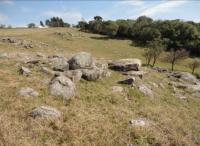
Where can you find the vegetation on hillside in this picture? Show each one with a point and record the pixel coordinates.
(175, 34)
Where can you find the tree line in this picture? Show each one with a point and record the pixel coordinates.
(52, 22)
(173, 34)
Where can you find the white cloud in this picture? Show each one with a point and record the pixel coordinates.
(69, 16)
(162, 7)
(132, 2)
(3, 18)
(7, 2)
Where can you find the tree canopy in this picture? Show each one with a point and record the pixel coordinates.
(173, 33)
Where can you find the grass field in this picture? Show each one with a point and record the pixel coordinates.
(96, 116)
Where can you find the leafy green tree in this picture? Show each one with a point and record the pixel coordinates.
(109, 28)
(98, 18)
(83, 25)
(156, 48)
(31, 25)
(55, 22)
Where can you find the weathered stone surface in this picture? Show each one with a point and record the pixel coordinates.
(160, 69)
(3, 55)
(28, 92)
(128, 80)
(117, 89)
(24, 71)
(184, 76)
(62, 87)
(140, 122)
(139, 74)
(196, 94)
(81, 60)
(91, 74)
(146, 91)
(61, 67)
(47, 71)
(74, 75)
(125, 64)
(45, 111)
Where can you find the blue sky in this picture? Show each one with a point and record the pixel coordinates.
(22, 12)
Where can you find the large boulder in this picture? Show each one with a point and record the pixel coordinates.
(62, 87)
(125, 64)
(45, 111)
(58, 63)
(99, 71)
(139, 74)
(81, 60)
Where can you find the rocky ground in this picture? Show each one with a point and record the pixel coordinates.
(81, 99)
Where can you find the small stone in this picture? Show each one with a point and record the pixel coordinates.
(28, 92)
(146, 91)
(24, 71)
(140, 122)
(117, 89)
(45, 111)
(128, 81)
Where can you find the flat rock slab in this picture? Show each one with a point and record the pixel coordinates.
(117, 89)
(28, 92)
(139, 74)
(128, 81)
(125, 64)
(45, 111)
(146, 91)
(140, 122)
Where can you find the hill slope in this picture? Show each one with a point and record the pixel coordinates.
(97, 115)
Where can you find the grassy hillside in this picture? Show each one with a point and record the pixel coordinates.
(96, 116)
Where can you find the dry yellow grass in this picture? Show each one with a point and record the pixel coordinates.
(96, 116)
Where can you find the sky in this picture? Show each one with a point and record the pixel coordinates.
(22, 12)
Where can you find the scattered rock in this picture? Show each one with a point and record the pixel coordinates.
(47, 71)
(91, 74)
(3, 55)
(81, 60)
(146, 91)
(154, 84)
(180, 96)
(24, 71)
(61, 67)
(184, 76)
(196, 94)
(62, 87)
(125, 64)
(28, 92)
(74, 75)
(139, 74)
(160, 69)
(117, 89)
(128, 80)
(140, 122)
(45, 111)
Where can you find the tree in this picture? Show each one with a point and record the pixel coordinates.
(55, 22)
(2, 26)
(31, 25)
(109, 28)
(41, 23)
(156, 48)
(194, 65)
(148, 55)
(83, 25)
(175, 55)
(66, 24)
(98, 18)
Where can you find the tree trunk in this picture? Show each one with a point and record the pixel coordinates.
(172, 66)
(193, 70)
(154, 62)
